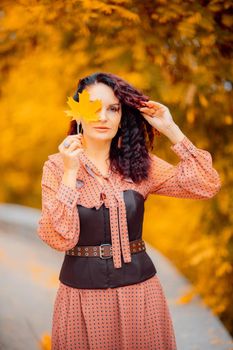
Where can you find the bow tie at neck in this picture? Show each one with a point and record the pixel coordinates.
(112, 197)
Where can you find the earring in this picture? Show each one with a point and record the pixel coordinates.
(119, 142)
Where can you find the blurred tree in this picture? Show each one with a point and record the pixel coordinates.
(178, 52)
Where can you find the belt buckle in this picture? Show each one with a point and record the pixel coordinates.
(104, 257)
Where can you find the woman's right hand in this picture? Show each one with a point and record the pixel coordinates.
(69, 154)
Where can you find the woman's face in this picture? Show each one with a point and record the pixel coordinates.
(109, 115)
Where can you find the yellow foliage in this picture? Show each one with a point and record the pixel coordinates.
(170, 12)
(45, 342)
(228, 120)
(203, 100)
(136, 79)
(199, 256)
(180, 55)
(189, 95)
(186, 297)
(129, 15)
(227, 20)
(109, 55)
(186, 29)
(190, 115)
(159, 60)
(214, 6)
(16, 17)
(173, 93)
(207, 23)
(223, 269)
(202, 255)
(225, 202)
(208, 40)
(195, 18)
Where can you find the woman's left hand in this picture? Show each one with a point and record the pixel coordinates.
(157, 115)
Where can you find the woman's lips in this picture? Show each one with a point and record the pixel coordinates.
(101, 128)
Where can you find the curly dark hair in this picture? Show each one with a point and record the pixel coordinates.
(132, 158)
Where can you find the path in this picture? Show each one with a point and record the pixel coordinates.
(29, 279)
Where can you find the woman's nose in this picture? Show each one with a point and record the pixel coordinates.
(102, 114)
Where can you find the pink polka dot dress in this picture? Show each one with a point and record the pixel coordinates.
(117, 303)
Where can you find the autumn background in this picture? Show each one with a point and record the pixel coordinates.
(177, 52)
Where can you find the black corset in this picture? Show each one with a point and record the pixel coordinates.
(94, 272)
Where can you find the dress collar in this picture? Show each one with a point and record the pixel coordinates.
(91, 167)
(113, 199)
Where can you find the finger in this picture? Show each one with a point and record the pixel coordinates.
(148, 114)
(146, 110)
(147, 103)
(66, 140)
(150, 110)
(62, 147)
(75, 144)
(152, 103)
(143, 103)
(75, 137)
(77, 151)
(80, 138)
(157, 105)
(71, 139)
(154, 106)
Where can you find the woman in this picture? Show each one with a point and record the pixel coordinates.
(93, 193)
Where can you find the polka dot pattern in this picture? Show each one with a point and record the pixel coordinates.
(134, 316)
(113, 200)
(59, 223)
(124, 318)
(59, 226)
(193, 177)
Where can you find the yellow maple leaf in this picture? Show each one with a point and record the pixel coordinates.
(84, 109)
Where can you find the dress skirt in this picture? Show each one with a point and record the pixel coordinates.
(124, 318)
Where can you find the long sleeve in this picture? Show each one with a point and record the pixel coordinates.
(59, 224)
(193, 177)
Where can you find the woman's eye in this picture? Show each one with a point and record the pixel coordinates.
(114, 109)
